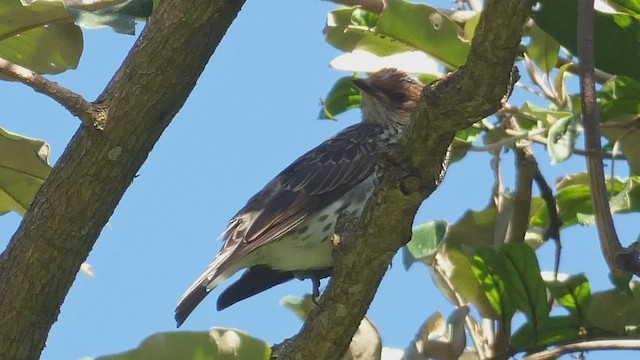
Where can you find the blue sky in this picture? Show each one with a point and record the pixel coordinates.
(253, 111)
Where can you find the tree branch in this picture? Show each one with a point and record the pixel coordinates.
(594, 345)
(526, 167)
(90, 114)
(408, 173)
(75, 202)
(617, 257)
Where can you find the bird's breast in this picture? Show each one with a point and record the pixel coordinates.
(308, 246)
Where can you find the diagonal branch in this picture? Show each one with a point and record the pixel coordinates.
(75, 202)
(409, 173)
(90, 114)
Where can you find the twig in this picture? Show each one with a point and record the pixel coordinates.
(617, 257)
(555, 223)
(89, 113)
(599, 75)
(534, 91)
(594, 345)
(518, 135)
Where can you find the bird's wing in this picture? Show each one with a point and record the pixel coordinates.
(316, 179)
(313, 181)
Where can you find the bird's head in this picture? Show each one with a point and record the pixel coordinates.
(388, 96)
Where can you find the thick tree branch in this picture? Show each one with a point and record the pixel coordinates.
(90, 114)
(72, 206)
(408, 174)
(617, 257)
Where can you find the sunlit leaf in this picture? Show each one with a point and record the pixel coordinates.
(489, 266)
(344, 95)
(219, 344)
(454, 269)
(422, 28)
(573, 294)
(525, 283)
(414, 62)
(23, 168)
(626, 6)
(562, 138)
(41, 37)
(425, 242)
(543, 49)
(438, 339)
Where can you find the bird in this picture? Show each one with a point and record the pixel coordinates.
(284, 231)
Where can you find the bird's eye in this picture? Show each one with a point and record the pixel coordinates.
(398, 97)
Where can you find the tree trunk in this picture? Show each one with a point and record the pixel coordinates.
(72, 206)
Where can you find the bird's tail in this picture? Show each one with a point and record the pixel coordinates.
(215, 273)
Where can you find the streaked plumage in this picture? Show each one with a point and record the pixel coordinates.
(284, 230)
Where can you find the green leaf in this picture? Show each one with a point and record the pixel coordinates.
(619, 101)
(525, 283)
(628, 199)
(426, 29)
(626, 6)
(121, 18)
(556, 330)
(455, 271)
(344, 95)
(616, 42)
(549, 116)
(616, 311)
(41, 37)
(422, 28)
(562, 139)
(425, 242)
(23, 168)
(489, 267)
(573, 294)
(462, 142)
(475, 228)
(574, 198)
(342, 33)
(621, 282)
(470, 27)
(543, 49)
(619, 96)
(218, 343)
